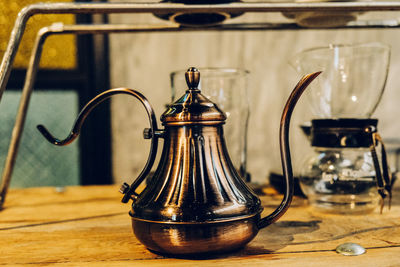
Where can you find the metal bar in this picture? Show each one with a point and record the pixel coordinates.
(108, 8)
(21, 115)
(127, 28)
(12, 48)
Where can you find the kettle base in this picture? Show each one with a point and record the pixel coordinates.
(195, 238)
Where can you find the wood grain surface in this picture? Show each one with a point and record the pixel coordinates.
(89, 226)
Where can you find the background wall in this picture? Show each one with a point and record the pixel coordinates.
(144, 61)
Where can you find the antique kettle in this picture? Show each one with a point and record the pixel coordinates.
(196, 202)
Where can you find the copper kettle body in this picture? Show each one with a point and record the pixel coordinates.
(196, 201)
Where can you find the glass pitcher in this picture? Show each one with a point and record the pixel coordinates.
(352, 81)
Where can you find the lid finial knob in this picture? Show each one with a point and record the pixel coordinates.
(192, 76)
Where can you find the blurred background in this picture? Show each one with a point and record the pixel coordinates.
(111, 148)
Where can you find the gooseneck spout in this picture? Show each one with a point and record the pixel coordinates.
(285, 149)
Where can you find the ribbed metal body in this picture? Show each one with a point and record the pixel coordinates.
(194, 184)
(195, 180)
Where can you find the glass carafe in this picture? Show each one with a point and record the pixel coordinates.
(340, 180)
(345, 174)
(352, 80)
(340, 176)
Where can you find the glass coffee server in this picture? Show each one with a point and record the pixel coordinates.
(346, 173)
(204, 15)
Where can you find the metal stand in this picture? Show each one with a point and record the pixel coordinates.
(159, 8)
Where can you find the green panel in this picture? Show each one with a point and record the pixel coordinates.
(40, 163)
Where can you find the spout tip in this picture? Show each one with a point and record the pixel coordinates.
(304, 82)
(313, 75)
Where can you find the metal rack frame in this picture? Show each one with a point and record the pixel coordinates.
(150, 8)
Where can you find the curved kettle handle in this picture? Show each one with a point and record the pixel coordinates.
(129, 190)
(285, 149)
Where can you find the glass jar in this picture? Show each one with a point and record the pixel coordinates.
(344, 174)
(340, 180)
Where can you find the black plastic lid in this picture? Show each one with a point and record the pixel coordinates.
(342, 132)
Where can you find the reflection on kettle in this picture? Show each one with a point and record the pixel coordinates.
(196, 202)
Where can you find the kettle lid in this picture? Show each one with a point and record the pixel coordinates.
(193, 107)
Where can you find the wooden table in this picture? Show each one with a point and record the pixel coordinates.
(89, 226)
